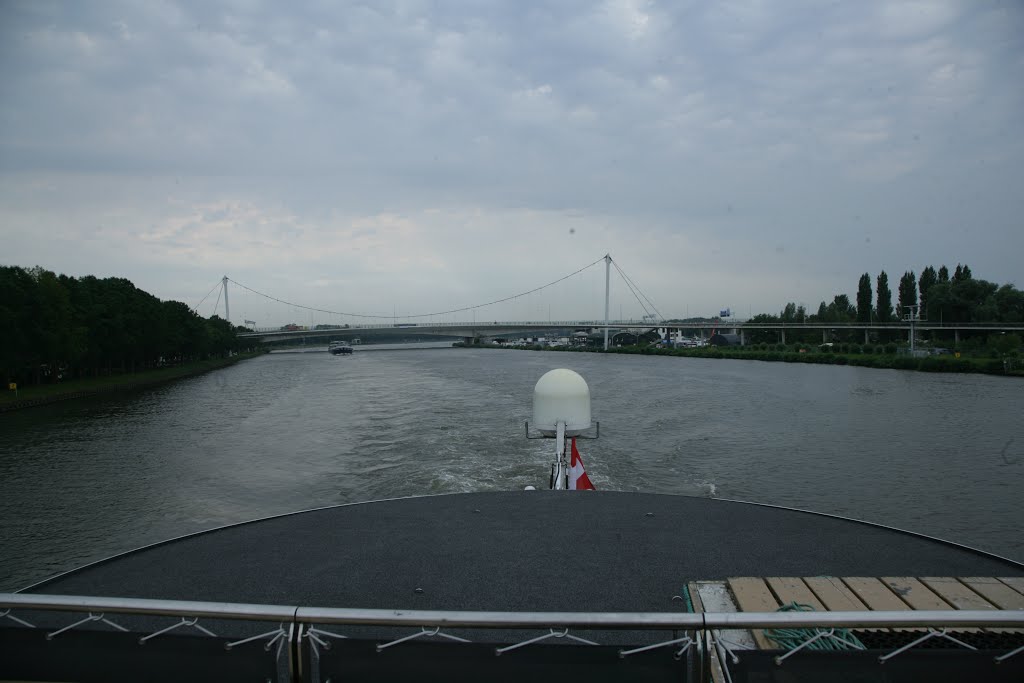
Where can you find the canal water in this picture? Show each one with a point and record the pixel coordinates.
(82, 480)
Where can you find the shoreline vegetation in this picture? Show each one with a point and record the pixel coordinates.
(942, 295)
(45, 394)
(59, 329)
(797, 353)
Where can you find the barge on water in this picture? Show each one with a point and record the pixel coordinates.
(596, 585)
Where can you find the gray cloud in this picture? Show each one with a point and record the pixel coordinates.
(733, 153)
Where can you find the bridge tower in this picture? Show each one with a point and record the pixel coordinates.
(607, 289)
(227, 309)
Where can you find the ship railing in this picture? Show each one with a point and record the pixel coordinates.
(44, 637)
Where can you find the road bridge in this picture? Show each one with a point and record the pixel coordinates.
(476, 330)
(455, 330)
(390, 328)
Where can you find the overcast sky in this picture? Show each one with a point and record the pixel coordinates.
(412, 157)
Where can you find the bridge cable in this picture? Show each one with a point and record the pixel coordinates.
(420, 315)
(635, 296)
(219, 294)
(635, 291)
(196, 307)
(632, 285)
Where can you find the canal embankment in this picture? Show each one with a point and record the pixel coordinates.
(45, 394)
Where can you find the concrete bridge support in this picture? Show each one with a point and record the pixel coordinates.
(956, 336)
(783, 334)
(824, 336)
(866, 340)
(743, 338)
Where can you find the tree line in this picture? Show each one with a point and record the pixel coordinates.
(935, 296)
(56, 328)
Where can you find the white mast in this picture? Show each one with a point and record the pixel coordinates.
(607, 286)
(227, 310)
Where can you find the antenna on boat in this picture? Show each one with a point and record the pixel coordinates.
(561, 409)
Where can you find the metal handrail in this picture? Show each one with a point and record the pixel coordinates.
(171, 608)
(528, 620)
(482, 619)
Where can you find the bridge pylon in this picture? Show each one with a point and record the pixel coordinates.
(227, 309)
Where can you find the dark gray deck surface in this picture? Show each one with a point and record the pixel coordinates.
(538, 550)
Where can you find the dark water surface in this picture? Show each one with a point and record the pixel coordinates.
(938, 454)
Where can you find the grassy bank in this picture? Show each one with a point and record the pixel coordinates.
(43, 394)
(891, 361)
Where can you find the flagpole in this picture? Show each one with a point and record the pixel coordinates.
(560, 457)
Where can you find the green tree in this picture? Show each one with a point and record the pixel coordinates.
(788, 314)
(801, 316)
(943, 274)
(907, 292)
(924, 283)
(17, 322)
(762, 336)
(841, 310)
(864, 299)
(1004, 343)
(58, 327)
(964, 301)
(1009, 304)
(53, 328)
(883, 309)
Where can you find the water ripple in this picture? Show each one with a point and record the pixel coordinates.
(85, 479)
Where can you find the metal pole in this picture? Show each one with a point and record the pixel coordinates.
(607, 291)
(227, 310)
(560, 469)
(913, 316)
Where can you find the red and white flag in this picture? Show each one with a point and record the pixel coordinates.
(578, 479)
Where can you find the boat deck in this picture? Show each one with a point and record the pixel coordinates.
(977, 648)
(536, 551)
(528, 551)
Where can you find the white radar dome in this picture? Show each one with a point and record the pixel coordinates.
(561, 396)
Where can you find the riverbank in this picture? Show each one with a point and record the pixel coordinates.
(44, 394)
(885, 361)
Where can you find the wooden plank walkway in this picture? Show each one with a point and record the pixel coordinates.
(856, 593)
(752, 595)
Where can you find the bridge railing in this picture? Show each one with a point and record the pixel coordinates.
(646, 324)
(466, 325)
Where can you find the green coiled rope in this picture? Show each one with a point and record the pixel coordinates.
(685, 594)
(791, 638)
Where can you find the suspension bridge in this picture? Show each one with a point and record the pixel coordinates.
(379, 327)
